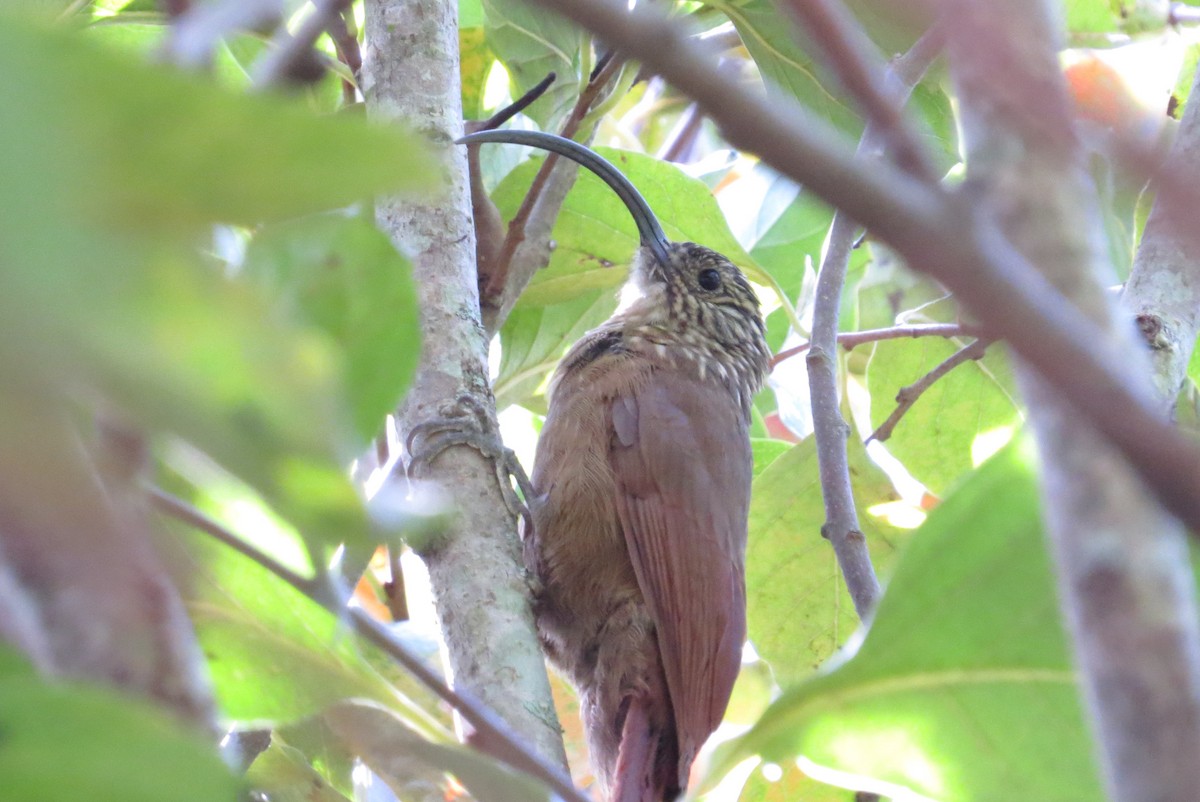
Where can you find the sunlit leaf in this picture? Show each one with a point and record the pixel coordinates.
(935, 436)
(285, 775)
(963, 688)
(798, 607)
(68, 741)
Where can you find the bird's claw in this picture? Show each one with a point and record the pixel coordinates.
(466, 423)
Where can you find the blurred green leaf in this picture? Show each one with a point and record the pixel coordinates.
(793, 786)
(766, 451)
(347, 277)
(475, 59)
(1091, 16)
(285, 775)
(935, 436)
(1187, 75)
(531, 44)
(397, 755)
(111, 167)
(799, 610)
(273, 653)
(69, 741)
(963, 688)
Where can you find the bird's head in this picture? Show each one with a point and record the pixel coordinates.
(681, 285)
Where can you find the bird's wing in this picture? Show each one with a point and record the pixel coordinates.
(682, 463)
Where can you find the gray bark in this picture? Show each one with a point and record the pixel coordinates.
(1124, 577)
(411, 74)
(1163, 291)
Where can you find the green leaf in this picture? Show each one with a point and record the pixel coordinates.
(157, 148)
(110, 167)
(935, 436)
(793, 786)
(1091, 16)
(1187, 75)
(534, 338)
(772, 38)
(285, 775)
(273, 653)
(475, 60)
(531, 44)
(397, 755)
(69, 741)
(347, 277)
(766, 451)
(799, 610)
(963, 688)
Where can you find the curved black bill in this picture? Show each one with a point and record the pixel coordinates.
(649, 230)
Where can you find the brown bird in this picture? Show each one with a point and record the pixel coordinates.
(641, 496)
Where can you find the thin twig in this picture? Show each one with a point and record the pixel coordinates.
(516, 107)
(857, 63)
(342, 31)
(397, 598)
(909, 394)
(196, 32)
(497, 282)
(849, 340)
(486, 723)
(841, 526)
(683, 136)
(829, 428)
(288, 51)
(939, 231)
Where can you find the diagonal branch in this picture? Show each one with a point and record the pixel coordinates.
(526, 244)
(290, 51)
(908, 395)
(856, 61)
(939, 232)
(514, 750)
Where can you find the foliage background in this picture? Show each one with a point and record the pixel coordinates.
(199, 262)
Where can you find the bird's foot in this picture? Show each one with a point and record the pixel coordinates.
(465, 422)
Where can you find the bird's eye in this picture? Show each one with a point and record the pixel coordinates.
(709, 279)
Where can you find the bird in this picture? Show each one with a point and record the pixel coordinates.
(640, 502)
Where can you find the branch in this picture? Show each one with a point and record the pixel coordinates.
(1163, 291)
(849, 340)
(342, 31)
(526, 244)
(830, 429)
(907, 396)
(1124, 579)
(856, 62)
(196, 31)
(939, 232)
(290, 54)
(841, 526)
(320, 589)
(490, 232)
